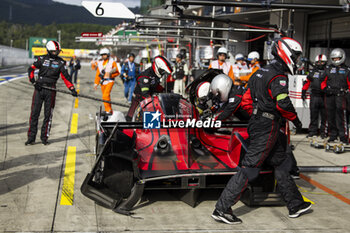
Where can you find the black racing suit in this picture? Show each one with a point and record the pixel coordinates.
(233, 105)
(50, 69)
(147, 84)
(268, 90)
(336, 85)
(317, 105)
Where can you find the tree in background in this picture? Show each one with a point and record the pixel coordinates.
(19, 33)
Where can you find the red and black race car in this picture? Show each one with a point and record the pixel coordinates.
(179, 151)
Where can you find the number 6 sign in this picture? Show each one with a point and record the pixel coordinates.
(108, 9)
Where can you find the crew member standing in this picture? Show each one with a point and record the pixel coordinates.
(74, 65)
(106, 72)
(222, 64)
(148, 82)
(130, 70)
(50, 66)
(240, 68)
(268, 90)
(317, 105)
(180, 74)
(253, 58)
(337, 85)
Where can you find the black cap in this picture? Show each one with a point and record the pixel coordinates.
(131, 55)
(179, 56)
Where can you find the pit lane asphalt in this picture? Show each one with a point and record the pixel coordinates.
(32, 179)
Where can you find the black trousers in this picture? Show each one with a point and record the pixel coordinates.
(39, 97)
(135, 101)
(75, 72)
(337, 116)
(317, 108)
(266, 145)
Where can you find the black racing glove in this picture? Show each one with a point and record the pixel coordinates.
(37, 86)
(303, 95)
(32, 80)
(74, 92)
(297, 123)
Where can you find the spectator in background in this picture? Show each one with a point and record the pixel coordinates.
(180, 74)
(74, 66)
(129, 72)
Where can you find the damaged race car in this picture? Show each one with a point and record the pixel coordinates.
(168, 146)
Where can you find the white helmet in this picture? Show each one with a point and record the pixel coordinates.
(220, 86)
(239, 56)
(161, 65)
(253, 55)
(321, 57)
(202, 90)
(222, 50)
(104, 51)
(289, 52)
(338, 52)
(53, 46)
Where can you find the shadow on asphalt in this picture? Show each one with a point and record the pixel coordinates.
(151, 196)
(10, 181)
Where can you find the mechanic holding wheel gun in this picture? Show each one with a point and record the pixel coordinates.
(106, 72)
(148, 82)
(268, 92)
(50, 66)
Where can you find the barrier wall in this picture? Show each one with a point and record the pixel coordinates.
(13, 56)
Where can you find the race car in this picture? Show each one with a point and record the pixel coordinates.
(168, 146)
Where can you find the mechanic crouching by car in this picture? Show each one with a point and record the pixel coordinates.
(268, 91)
(337, 85)
(317, 106)
(226, 98)
(148, 82)
(50, 66)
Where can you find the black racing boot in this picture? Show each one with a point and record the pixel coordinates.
(225, 217)
(296, 212)
(29, 142)
(332, 139)
(45, 142)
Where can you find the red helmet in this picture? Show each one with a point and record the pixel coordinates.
(288, 51)
(161, 65)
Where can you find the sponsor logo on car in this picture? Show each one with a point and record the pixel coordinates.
(152, 120)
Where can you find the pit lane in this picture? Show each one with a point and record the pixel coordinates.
(34, 179)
